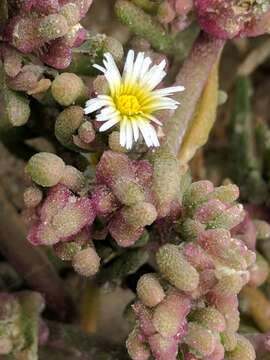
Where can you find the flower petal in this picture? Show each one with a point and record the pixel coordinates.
(137, 66)
(145, 132)
(128, 68)
(112, 68)
(100, 68)
(94, 105)
(154, 76)
(154, 119)
(153, 135)
(145, 66)
(123, 133)
(135, 129)
(106, 115)
(129, 135)
(108, 124)
(168, 91)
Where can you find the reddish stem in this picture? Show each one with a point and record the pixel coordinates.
(193, 76)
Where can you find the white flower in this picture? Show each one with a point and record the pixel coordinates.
(132, 99)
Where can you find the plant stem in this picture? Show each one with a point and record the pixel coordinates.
(193, 76)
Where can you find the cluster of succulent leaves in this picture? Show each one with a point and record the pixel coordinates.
(112, 213)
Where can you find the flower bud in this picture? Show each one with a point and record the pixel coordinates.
(243, 350)
(169, 316)
(137, 350)
(140, 214)
(176, 269)
(86, 132)
(52, 27)
(32, 196)
(67, 88)
(149, 290)
(72, 178)
(86, 262)
(67, 123)
(210, 318)
(201, 340)
(45, 169)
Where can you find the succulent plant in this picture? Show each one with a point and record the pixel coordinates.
(200, 277)
(110, 119)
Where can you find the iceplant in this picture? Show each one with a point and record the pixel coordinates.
(132, 100)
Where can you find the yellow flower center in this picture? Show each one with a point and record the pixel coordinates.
(128, 104)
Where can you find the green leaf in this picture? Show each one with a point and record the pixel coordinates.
(126, 264)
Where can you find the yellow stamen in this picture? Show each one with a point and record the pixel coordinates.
(128, 104)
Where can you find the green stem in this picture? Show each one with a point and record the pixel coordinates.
(146, 26)
(245, 169)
